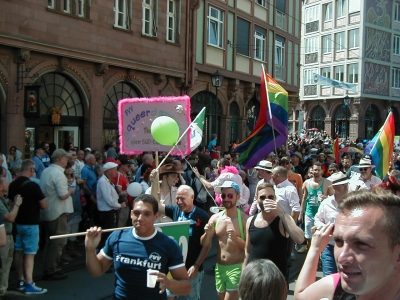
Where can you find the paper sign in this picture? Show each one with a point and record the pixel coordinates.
(136, 115)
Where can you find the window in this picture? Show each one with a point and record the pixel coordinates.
(354, 38)
(259, 43)
(340, 8)
(327, 44)
(326, 72)
(81, 8)
(312, 14)
(120, 14)
(396, 45)
(396, 78)
(279, 51)
(352, 73)
(171, 20)
(397, 11)
(149, 19)
(281, 6)
(263, 3)
(354, 6)
(309, 76)
(311, 45)
(327, 11)
(242, 37)
(339, 41)
(77, 8)
(215, 26)
(67, 6)
(339, 73)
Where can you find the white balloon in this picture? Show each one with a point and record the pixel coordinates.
(134, 189)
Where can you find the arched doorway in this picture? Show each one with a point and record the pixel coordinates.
(317, 118)
(207, 99)
(57, 93)
(234, 113)
(341, 119)
(252, 112)
(372, 120)
(118, 91)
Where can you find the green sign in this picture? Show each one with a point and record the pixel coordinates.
(179, 231)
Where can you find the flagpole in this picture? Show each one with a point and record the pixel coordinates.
(269, 109)
(187, 129)
(379, 136)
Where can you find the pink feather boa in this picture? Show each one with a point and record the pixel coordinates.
(227, 169)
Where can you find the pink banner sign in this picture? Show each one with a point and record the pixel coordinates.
(136, 115)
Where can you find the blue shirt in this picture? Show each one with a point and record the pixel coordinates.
(133, 256)
(198, 219)
(212, 144)
(46, 160)
(90, 176)
(39, 166)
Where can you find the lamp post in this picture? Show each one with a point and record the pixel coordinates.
(347, 101)
(216, 80)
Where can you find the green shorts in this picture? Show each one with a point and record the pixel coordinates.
(227, 277)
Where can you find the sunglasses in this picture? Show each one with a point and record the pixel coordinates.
(363, 169)
(332, 170)
(230, 196)
(270, 197)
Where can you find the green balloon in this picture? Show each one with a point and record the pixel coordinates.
(165, 130)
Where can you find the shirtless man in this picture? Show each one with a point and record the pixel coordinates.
(229, 226)
(315, 190)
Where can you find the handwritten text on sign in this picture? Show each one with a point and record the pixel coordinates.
(136, 115)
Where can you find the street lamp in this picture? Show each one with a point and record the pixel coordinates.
(216, 80)
(347, 101)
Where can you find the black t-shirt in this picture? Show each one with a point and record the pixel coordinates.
(29, 211)
(199, 219)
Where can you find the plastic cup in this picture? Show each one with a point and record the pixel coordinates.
(264, 203)
(151, 278)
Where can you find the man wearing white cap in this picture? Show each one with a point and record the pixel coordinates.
(365, 180)
(107, 200)
(229, 226)
(327, 213)
(264, 168)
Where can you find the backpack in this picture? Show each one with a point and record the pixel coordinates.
(191, 181)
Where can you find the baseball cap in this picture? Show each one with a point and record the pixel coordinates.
(60, 153)
(109, 165)
(125, 161)
(88, 149)
(227, 184)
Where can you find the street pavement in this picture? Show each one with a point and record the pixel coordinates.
(80, 285)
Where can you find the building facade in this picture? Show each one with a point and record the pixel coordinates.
(64, 65)
(358, 42)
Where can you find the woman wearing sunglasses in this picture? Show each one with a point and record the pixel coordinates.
(268, 232)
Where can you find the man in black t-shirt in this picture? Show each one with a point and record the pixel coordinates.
(186, 210)
(27, 223)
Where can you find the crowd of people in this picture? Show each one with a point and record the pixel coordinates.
(297, 199)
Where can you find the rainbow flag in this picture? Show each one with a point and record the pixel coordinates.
(382, 149)
(273, 118)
